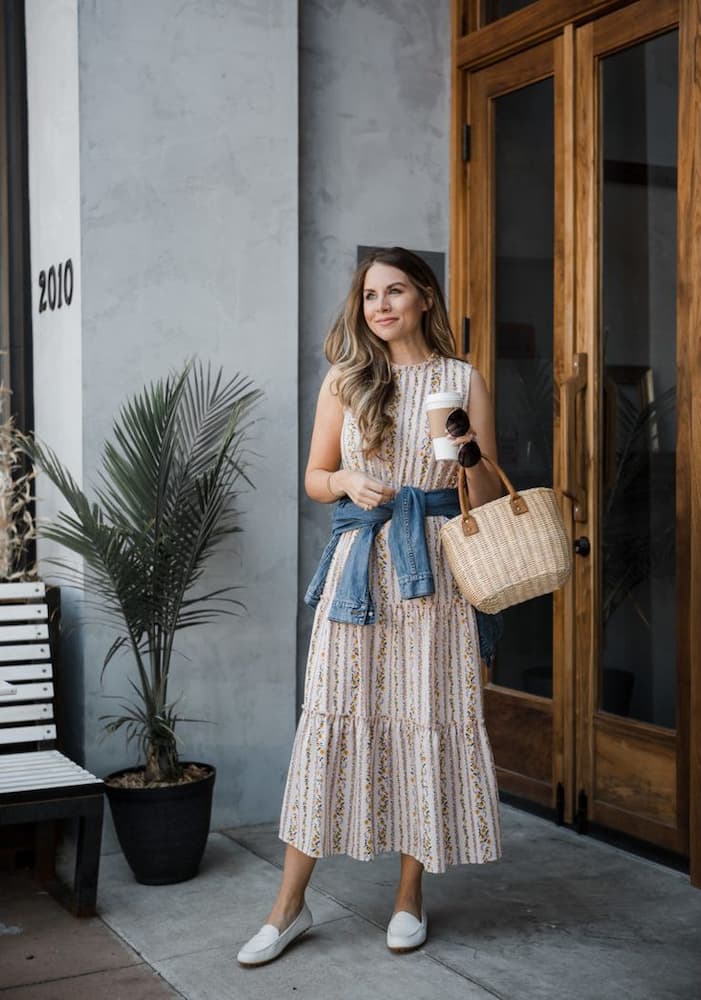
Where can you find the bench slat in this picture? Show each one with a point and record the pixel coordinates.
(33, 756)
(17, 633)
(26, 692)
(27, 734)
(40, 758)
(23, 612)
(26, 672)
(15, 591)
(25, 713)
(63, 782)
(66, 772)
(41, 769)
(69, 772)
(9, 654)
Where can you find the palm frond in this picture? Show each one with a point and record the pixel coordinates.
(165, 499)
(638, 529)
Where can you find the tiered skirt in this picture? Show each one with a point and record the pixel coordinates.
(391, 751)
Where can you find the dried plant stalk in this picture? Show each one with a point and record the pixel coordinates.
(17, 527)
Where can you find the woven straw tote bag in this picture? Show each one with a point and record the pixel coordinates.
(509, 550)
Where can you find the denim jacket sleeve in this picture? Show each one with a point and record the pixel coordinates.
(316, 585)
(352, 602)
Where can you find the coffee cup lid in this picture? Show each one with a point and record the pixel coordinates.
(439, 400)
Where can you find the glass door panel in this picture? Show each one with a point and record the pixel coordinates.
(523, 311)
(638, 121)
(496, 9)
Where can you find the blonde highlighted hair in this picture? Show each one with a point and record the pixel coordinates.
(364, 382)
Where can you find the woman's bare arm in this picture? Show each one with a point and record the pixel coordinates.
(483, 483)
(324, 481)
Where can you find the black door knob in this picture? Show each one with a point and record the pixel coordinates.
(582, 546)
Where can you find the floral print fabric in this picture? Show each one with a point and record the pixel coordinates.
(391, 751)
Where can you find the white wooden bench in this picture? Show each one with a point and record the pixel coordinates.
(38, 783)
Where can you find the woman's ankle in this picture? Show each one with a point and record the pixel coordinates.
(409, 900)
(285, 910)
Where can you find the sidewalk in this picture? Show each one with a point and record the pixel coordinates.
(46, 954)
(561, 917)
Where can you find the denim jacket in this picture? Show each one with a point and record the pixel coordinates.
(352, 602)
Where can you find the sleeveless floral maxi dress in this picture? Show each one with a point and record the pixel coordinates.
(391, 751)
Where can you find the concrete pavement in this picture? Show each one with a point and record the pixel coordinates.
(561, 916)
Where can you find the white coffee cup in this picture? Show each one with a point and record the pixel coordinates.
(439, 405)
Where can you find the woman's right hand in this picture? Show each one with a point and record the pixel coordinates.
(365, 491)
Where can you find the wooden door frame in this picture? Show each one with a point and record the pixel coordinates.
(477, 43)
(563, 357)
(689, 400)
(474, 46)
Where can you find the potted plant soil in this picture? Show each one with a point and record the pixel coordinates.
(168, 483)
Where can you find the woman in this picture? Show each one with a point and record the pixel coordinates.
(391, 752)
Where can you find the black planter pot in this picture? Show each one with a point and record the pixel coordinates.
(163, 831)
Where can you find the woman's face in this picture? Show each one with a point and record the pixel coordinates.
(393, 307)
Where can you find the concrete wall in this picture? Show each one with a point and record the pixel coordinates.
(54, 197)
(189, 226)
(374, 170)
(189, 176)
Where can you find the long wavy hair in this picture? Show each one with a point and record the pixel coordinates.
(364, 384)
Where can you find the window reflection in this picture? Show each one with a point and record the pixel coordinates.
(524, 221)
(638, 344)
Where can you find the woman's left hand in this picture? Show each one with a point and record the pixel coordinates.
(463, 439)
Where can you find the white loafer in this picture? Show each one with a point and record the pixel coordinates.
(269, 942)
(405, 932)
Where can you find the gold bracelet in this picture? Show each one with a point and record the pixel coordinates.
(336, 496)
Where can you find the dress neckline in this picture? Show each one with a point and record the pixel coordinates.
(417, 364)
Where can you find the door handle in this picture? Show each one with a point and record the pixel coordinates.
(582, 546)
(573, 439)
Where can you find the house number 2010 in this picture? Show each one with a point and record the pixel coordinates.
(56, 286)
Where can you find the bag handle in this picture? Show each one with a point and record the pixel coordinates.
(516, 502)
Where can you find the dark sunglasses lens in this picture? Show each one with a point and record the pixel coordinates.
(458, 423)
(469, 454)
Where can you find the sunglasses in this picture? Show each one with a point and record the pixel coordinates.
(457, 425)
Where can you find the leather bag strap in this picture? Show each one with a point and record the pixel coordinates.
(516, 502)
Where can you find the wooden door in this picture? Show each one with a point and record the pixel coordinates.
(518, 319)
(570, 287)
(631, 748)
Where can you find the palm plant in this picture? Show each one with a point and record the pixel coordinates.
(165, 499)
(638, 523)
(534, 406)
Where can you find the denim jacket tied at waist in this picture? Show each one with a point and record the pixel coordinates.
(352, 602)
